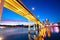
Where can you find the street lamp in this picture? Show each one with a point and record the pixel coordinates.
(33, 8)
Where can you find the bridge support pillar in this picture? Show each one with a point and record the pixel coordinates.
(34, 31)
(1, 8)
(29, 32)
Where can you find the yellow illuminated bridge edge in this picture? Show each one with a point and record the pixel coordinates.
(18, 7)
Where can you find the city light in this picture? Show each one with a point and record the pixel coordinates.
(1, 38)
(56, 29)
(33, 8)
(0, 1)
(2, 27)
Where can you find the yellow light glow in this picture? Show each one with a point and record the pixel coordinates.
(2, 27)
(19, 9)
(0, 1)
(1, 38)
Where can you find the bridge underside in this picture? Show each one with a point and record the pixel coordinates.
(18, 7)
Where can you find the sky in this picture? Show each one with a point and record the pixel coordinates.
(10, 15)
(41, 9)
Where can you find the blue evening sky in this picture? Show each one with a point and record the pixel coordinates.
(43, 8)
(10, 15)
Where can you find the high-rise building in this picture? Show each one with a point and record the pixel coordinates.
(47, 21)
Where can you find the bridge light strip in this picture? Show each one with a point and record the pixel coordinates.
(19, 9)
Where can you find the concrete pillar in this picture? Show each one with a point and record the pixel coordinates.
(1, 8)
(29, 27)
(39, 28)
(34, 31)
(29, 33)
(29, 38)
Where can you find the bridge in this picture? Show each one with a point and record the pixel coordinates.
(18, 7)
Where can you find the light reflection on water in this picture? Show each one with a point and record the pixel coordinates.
(1, 37)
(22, 33)
(14, 33)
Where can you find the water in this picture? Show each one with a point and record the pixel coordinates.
(14, 33)
(54, 36)
(22, 34)
(17, 37)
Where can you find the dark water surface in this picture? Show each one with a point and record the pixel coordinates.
(22, 34)
(14, 33)
(17, 37)
(54, 36)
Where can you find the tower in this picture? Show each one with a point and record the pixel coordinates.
(48, 28)
(47, 21)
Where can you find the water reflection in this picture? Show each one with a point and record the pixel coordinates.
(1, 38)
(2, 27)
(14, 33)
(22, 33)
(56, 29)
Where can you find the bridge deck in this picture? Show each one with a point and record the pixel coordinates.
(20, 8)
